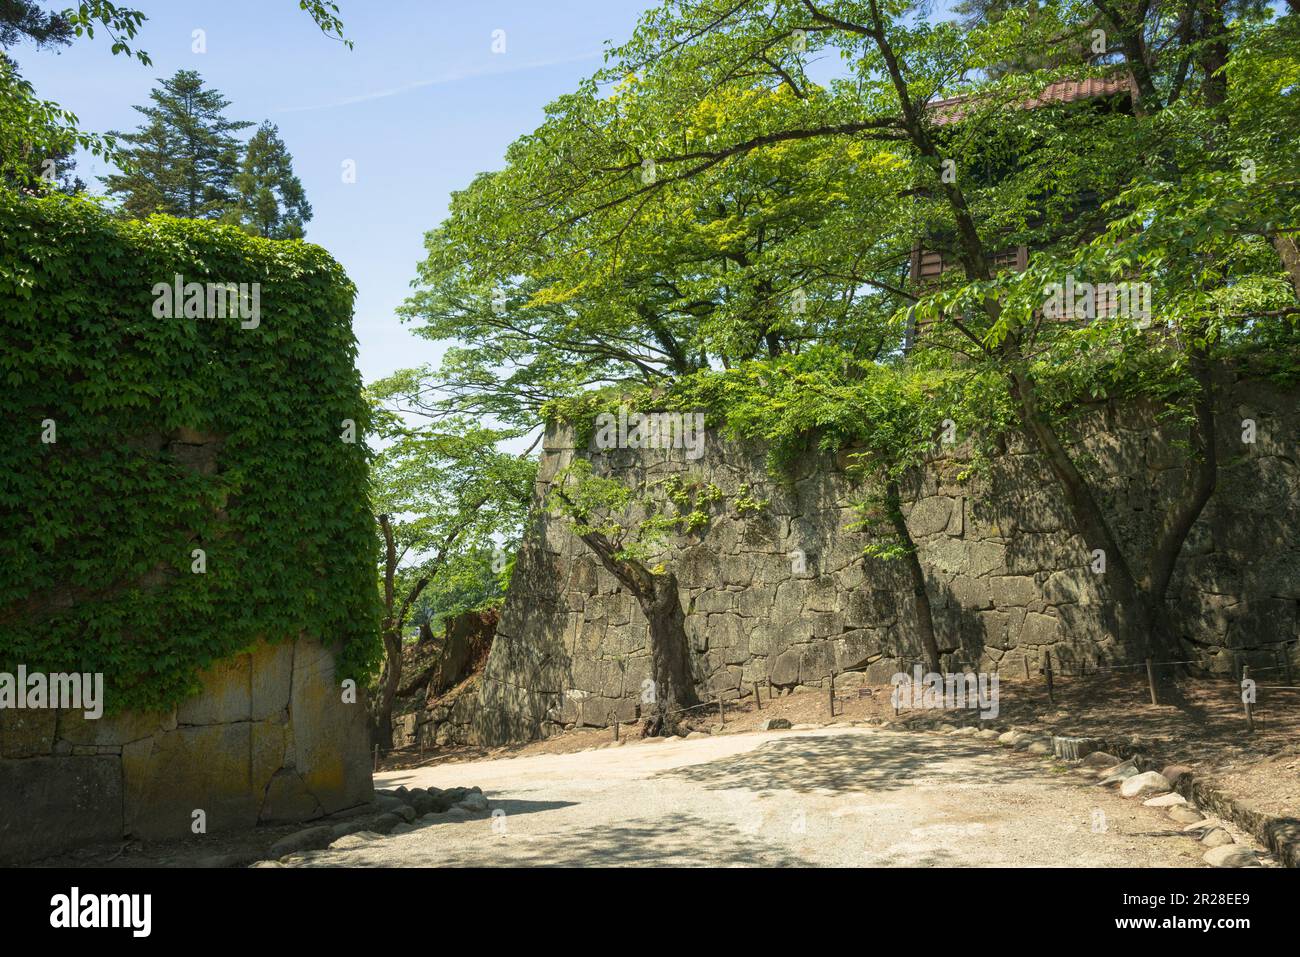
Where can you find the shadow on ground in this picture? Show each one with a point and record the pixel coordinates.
(847, 762)
(675, 840)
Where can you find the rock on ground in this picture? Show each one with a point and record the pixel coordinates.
(1185, 815)
(1217, 837)
(356, 840)
(1231, 855)
(1121, 772)
(1100, 759)
(1141, 785)
(1171, 799)
(308, 839)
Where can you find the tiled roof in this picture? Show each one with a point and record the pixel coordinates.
(1064, 91)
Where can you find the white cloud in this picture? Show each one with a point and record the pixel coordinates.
(442, 80)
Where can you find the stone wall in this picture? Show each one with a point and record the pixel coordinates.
(1008, 577)
(268, 739)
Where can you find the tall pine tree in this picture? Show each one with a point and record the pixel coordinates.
(270, 198)
(184, 160)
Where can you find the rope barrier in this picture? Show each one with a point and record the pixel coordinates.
(612, 716)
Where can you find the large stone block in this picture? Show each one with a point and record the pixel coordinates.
(168, 777)
(971, 593)
(49, 805)
(271, 679)
(1013, 590)
(930, 516)
(785, 668)
(1039, 630)
(288, 799)
(987, 558)
(331, 738)
(25, 733)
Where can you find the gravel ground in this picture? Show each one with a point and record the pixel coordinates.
(838, 796)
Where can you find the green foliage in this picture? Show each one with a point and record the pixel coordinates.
(702, 216)
(636, 519)
(469, 582)
(746, 503)
(595, 505)
(33, 131)
(97, 529)
(456, 501)
(692, 501)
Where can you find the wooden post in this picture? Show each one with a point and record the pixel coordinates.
(758, 702)
(722, 715)
(1151, 682)
(1025, 660)
(1047, 659)
(832, 692)
(1250, 716)
(615, 727)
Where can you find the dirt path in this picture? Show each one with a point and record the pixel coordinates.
(841, 796)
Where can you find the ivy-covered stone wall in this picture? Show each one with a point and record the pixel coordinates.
(183, 495)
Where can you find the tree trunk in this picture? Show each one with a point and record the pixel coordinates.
(382, 726)
(657, 595)
(924, 611)
(1132, 610)
(426, 633)
(390, 677)
(669, 656)
(1289, 252)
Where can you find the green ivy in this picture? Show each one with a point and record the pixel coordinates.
(98, 528)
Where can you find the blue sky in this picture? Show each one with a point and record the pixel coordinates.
(421, 104)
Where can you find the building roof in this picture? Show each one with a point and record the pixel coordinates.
(955, 109)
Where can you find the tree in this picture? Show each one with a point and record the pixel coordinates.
(269, 198)
(34, 130)
(475, 581)
(37, 138)
(184, 159)
(443, 493)
(38, 146)
(600, 511)
(25, 20)
(1172, 206)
